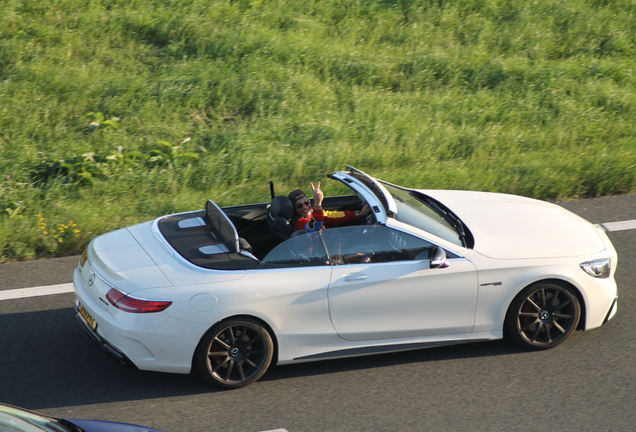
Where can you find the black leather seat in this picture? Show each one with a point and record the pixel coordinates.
(279, 216)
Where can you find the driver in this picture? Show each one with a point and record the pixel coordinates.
(315, 218)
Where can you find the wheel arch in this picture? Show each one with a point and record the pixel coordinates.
(562, 283)
(238, 317)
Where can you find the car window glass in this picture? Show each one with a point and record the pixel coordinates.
(419, 214)
(303, 250)
(373, 244)
(13, 419)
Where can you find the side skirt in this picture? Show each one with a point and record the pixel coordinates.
(351, 352)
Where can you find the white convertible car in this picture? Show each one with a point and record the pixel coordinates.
(231, 291)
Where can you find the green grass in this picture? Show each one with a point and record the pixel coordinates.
(113, 112)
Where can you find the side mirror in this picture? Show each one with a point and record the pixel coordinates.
(438, 259)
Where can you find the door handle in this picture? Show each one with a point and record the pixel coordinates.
(354, 277)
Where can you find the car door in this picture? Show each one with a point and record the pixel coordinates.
(382, 286)
(292, 282)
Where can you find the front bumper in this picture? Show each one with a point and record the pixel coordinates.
(612, 311)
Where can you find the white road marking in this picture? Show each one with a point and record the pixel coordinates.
(68, 287)
(619, 226)
(36, 291)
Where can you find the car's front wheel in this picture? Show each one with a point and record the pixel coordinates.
(235, 353)
(543, 315)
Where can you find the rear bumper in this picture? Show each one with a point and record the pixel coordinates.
(153, 342)
(104, 344)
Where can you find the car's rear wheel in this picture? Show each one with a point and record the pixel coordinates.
(235, 353)
(543, 315)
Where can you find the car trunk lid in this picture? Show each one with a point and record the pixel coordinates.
(116, 260)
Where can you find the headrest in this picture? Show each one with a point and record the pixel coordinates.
(281, 206)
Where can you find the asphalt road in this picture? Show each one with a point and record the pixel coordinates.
(48, 364)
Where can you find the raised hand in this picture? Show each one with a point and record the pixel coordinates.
(318, 195)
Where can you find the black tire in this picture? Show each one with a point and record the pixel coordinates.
(235, 353)
(542, 316)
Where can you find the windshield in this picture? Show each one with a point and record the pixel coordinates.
(418, 213)
(369, 183)
(16, 420)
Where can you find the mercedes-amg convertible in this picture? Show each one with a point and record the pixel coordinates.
(230, 291)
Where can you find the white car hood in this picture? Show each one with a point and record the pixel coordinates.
(515, 227)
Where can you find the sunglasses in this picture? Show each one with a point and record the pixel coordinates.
(302, 204)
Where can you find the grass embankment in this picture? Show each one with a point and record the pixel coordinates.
(114, 112)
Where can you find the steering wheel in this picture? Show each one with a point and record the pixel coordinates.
(397, 241)
(370, 219)
(301, 257)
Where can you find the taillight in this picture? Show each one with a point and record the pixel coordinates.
(131, 304)
(83, 258)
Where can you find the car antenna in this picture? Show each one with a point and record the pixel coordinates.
(271, 189)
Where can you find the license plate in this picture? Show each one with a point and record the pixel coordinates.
(87, 317)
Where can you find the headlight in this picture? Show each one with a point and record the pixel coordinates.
(599, 268)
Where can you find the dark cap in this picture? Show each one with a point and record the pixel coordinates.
(296, 195)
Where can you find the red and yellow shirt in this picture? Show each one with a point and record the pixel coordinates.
(329, 217)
